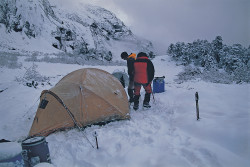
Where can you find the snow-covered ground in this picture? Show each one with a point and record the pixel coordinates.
(168, 134)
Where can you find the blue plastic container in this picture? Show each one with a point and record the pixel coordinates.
(159, 84)
(35, 151)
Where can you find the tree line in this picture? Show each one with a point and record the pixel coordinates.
(214, 57)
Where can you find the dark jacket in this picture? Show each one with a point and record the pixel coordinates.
(130, 65)
(143, 70)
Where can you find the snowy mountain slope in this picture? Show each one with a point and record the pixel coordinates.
(69, 26)
(165, 135)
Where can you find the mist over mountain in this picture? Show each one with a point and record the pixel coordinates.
(52, 26)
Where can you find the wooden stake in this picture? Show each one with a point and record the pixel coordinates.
(96, 140)
(197, 105)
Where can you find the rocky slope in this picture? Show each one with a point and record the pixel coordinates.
(68, 26)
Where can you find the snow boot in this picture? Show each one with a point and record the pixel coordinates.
(131, 95)
(146, 100)
(136, 102)
(146, 105)
(136, 107)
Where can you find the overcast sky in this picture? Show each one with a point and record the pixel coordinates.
(169, 21)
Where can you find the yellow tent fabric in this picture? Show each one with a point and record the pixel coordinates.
(81, 98)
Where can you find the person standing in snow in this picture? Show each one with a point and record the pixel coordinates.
(130, 64)
(143, 76)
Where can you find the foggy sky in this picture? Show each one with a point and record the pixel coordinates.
(169, 21)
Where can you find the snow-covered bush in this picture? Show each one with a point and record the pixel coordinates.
(32, 77)
(242, 73)
(101, 58)
(9, 60)
(209, 63)
(151, 55)
(218, 76)
(190, 72)
(213, 58)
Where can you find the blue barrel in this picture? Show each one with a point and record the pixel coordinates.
(159, 84)
(35, 150)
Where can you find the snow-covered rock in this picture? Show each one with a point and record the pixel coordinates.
(9, 150)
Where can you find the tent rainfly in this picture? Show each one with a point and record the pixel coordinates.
(81, 98)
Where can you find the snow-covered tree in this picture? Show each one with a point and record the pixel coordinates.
(216, 47)
(176, 51)
(209, 63)
(214, 56)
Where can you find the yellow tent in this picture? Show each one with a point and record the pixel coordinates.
(81, 98)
